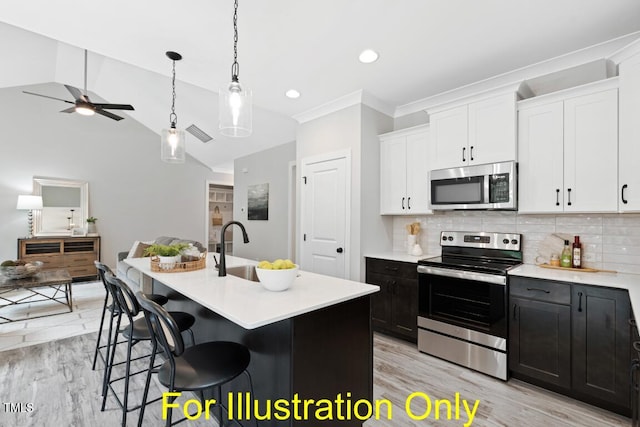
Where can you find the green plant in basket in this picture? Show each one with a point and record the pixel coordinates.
(165, 250)
(92, 220)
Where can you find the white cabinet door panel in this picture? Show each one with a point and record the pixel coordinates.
(591, 152)
(449, 138)
(540, 146)
(417, 174)
(492, 129)
(629, 145)
(393, 176)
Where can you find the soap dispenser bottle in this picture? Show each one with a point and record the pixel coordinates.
(576, 256)
(565, 258)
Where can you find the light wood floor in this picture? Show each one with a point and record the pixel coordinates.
(400, 369)
(56, 377)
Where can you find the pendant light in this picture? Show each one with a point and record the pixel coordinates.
(172, 140)
(235, 100)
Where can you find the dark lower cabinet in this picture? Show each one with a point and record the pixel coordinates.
(394, 310)
(540, 335)
(572, 339)
(600, 343)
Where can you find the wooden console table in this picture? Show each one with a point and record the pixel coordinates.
(48, 285)
(74, 254)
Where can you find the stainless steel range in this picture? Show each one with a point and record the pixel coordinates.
(462, 306)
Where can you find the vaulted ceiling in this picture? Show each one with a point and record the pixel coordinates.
(426, 47)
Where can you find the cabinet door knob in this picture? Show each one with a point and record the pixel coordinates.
(339, 250)
(557, 197)
(463, 150)
(625, 201)
(569, 196)
(471, 153)
(409, 203)
(403, 203)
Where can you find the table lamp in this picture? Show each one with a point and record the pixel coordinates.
(29, 203)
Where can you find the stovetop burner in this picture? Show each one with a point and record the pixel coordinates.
(493, 253)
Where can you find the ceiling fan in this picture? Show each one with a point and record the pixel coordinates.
(82, 104)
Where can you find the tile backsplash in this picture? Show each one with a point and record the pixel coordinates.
(609, 241)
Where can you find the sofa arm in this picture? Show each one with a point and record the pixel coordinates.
(122, 255)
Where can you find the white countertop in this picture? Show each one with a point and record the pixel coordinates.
(399, 256)
(247, 303)
(631, 282)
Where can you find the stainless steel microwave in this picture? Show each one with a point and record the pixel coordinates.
(489, 186)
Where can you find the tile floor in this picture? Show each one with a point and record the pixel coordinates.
(88, 298)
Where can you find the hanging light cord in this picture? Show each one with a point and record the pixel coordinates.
(173, 118)
(235, 67)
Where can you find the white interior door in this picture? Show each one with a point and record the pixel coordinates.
(324, 214)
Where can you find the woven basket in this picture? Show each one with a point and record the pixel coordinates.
(179, 267)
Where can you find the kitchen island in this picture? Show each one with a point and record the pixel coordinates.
(312, 341)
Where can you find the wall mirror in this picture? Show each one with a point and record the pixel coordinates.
(65, 206)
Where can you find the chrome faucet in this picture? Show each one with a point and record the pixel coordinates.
(222, 269)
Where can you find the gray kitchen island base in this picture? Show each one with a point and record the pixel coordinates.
(323, 354)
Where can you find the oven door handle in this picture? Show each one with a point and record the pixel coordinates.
(462, 274)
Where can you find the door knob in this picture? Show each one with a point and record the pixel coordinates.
(339, 250)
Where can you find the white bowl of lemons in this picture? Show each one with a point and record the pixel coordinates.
(277, 275)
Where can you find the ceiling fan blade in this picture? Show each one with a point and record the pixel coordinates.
(114, 106)
(69, 110)
(75, 92)
(108, 114)
(46, 96)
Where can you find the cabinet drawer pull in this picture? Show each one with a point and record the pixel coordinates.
(624, 187)
(471, 153)
(580, 302)
(569, 196)
(557, 197)
(409, 203)
(538, 289)
(463, 150)
(515, 307)
(403, 203)
(386, 267)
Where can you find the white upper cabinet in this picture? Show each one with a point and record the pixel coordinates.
(629, 145)
(568, 150)
(404, 172)
(541, 166)
(478, 132)
(449, 137)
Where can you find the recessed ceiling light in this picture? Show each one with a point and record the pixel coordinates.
(368, 56)
(292, 93)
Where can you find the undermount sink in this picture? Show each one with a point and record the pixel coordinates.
(247, 272)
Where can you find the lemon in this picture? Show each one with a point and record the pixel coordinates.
(278, 264)
(265, 265)
(289, 264)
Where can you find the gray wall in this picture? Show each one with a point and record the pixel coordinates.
(133, 194)
(376, 230)
(355, 128)
(268, 239)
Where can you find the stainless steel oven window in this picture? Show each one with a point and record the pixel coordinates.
(478, 306)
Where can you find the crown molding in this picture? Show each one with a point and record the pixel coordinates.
(353, 98)
(559, 63)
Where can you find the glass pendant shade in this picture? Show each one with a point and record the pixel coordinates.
(172, 142)
(235, 110)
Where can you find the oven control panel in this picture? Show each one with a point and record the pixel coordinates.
(481, 239)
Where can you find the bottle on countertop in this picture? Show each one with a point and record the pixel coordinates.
(565, 257)
(576, 259)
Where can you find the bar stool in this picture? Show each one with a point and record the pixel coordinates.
(136, 331)
(198, 368)
(113, 310)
